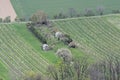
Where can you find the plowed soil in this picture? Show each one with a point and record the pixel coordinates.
(6, 9)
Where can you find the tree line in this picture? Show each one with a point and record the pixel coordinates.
(82, 69)
(65, 14)
(87, 12)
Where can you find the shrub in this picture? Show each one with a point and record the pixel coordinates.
(72, 45)
(66, 39)
(17, 19)
(115, 11)
(33, 76)
(49, 24)
(22, 19)
(55, 16)
(38, 35)
(60, 15)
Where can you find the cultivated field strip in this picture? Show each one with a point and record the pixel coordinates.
(17, 54)
(97, 35)
(19, 7)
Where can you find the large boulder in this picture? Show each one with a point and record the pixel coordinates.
(45, 47)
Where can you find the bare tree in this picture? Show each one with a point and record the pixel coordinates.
(7, 19)
(100, 10)
(53, 72)
(107, 69)
(89, 12)
(17, 19)
(72, 12)
(39, 17)
(76, 70)
(22, 19)
(81, 68)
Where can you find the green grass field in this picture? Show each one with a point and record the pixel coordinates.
(25, 8)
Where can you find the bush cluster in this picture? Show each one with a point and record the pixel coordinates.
(38, 35)
(6, 20)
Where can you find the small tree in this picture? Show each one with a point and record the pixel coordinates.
(39, 17)
(66, 39)
(61, 15)
(72, 12)
(7, 19)
(89, 12)
(22, 19)
(55, 16)
(17, 19)
(100, 10)
(76, 70)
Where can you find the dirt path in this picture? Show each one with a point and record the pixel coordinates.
(6, 9)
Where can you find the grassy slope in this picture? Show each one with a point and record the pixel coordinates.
(105, 44)
(51, 7)
(30, 38)
(17, 54)
(24, 40)
(3, 72)
(96, 35)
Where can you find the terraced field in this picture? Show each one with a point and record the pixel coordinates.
(96, 35)
(17, 54)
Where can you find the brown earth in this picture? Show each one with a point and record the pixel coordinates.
(6, 9)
